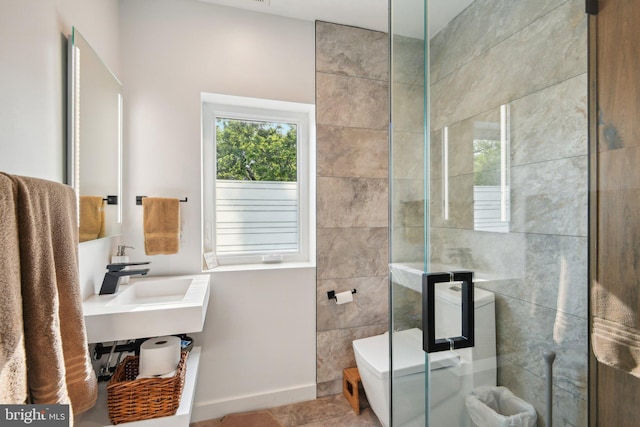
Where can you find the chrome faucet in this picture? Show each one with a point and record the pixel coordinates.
(116, 271)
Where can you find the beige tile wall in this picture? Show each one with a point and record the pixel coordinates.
(531, 54)
(352, 193)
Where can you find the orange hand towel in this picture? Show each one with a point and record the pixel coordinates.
(58, 363)
(91, 218)
(161, 225)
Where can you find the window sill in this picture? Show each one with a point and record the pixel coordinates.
(262, 266)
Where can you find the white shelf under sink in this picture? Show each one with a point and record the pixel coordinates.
(98, 416)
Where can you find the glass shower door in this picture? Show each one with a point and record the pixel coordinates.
(488, 181)
(409, 188)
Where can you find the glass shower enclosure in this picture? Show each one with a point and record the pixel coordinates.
(488, 215)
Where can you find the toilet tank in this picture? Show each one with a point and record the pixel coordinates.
(448, 316)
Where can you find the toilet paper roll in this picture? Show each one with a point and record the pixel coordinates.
(344, 297)
(159, 356)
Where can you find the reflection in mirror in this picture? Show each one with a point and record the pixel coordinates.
(491, 199)
(94, 141)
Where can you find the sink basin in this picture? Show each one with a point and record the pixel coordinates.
(153, 291)
(148, 307)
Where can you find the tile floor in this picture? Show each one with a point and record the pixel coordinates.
(328, 411)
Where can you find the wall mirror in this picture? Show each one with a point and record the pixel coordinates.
(94, 165)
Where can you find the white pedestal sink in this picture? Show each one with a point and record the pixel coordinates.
(148, 307)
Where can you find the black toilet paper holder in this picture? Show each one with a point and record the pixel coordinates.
(332, 294)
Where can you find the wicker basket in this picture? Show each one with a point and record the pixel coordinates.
(130, 400)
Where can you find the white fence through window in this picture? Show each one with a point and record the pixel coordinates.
(489, 209)
(256, 217)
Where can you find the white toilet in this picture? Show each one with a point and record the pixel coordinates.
(453, 374)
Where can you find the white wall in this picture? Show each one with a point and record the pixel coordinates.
(33, 76)
(33, 52)
(259, 336)
(259, 346)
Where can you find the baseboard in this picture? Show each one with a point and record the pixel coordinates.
(219, 408)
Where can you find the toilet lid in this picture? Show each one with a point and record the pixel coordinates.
(408, 356)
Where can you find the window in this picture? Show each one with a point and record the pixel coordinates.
(256, 180)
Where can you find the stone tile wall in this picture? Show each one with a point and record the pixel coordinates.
(352, 193)
(532, 55)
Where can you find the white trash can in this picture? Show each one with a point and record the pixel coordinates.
(491, 406)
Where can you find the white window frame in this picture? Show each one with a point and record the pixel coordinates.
(255, 109)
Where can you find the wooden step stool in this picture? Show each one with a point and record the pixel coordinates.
(350, 385)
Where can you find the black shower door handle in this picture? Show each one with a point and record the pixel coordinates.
(429, 342)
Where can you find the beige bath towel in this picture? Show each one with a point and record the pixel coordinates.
(161, 225)
(615, 334)
(13, 362)
(91, 218)
(58, 362)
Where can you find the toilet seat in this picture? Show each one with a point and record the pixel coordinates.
(408, 356)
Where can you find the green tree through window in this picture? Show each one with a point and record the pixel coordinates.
(256, 151)
(486, 162)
